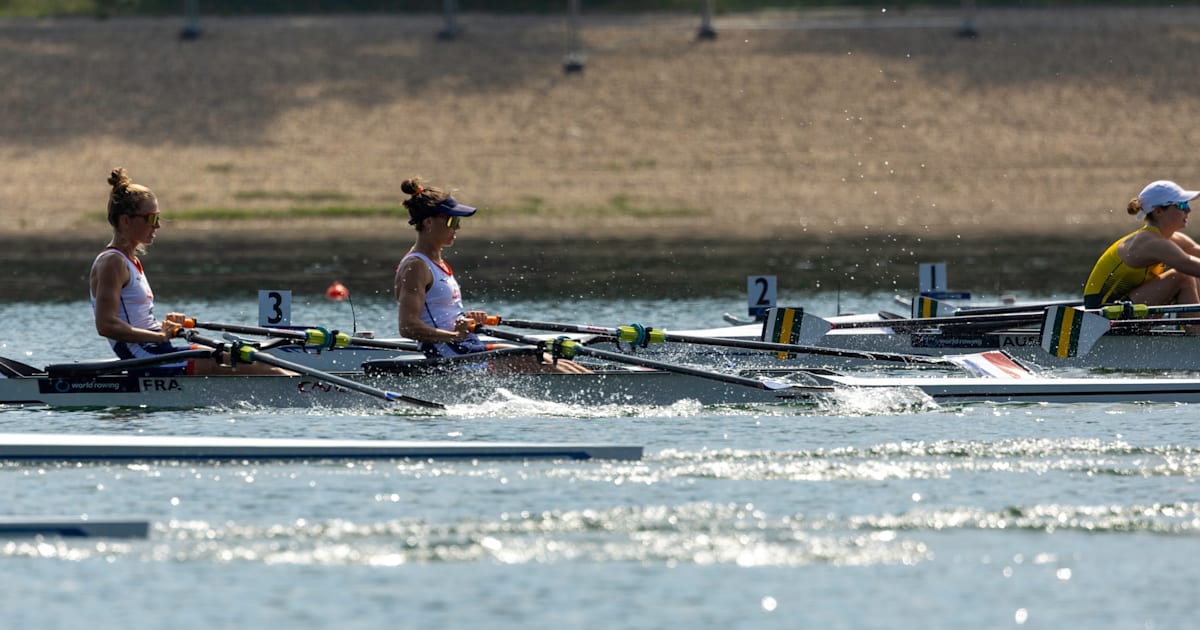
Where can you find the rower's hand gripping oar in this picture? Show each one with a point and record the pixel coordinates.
(638, 335)
(248, 353)
(569, 349)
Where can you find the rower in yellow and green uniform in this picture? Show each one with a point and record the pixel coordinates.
(1155, 264)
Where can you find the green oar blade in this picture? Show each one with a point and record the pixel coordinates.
(790, 325)
(1070, 332)
(925, 306)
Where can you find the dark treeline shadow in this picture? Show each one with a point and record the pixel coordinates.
(227, 8)
(229, 266)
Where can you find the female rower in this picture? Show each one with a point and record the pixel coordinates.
(427, 294)
(1156, 264)
(122, 301)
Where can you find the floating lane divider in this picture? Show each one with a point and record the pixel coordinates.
(319, 338)
(1072, 332)
(638, 334)
(73, 527)
(569, 349)
(247, 353)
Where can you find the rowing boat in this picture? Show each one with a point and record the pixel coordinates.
(831, 342)
(1146, 351)
(1151, 351)
(25, 385)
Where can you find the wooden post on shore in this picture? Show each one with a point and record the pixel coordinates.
(574, 60)
(968, 28)
(191, 20)
(450, 30)
(706, 28)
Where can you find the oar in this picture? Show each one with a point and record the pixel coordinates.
(638, 334)
(318, 337)
(249, 354)
(1071, 332)
(923, 306)
(782, 324)
(1130, 311)
(569, 348)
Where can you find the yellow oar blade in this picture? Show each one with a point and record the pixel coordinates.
(1071, 332)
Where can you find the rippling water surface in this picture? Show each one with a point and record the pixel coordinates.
(866, 512)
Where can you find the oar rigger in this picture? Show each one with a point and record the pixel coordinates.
(249, 353)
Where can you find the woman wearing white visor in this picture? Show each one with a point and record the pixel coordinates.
(1155, 264)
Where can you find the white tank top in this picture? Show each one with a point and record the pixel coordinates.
(443, 299)
(443, 307)
(137, 299)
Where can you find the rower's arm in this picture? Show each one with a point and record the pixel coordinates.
(1180, 252)
(413, 279)
(108, 277)
(1186, 243)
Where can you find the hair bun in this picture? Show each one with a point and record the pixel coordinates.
(118, 178)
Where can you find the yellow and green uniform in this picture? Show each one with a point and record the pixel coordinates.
(1111, 279)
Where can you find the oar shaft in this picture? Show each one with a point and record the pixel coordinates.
(815, 350)
(997, 320)
(1029, 307)
(1129, 311)
(250, 354)
(647, 363)
(735, 343)
(307, 336)
(282, 333)
(338, 380)
(670, 367)
(557, 327)
(1144, 323)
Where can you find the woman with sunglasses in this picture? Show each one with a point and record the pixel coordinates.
(122, 301)
(427, 293)
(1156, 264)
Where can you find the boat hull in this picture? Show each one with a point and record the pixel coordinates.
(624, 387)
(616, 387)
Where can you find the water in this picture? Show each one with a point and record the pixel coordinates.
(864, 514)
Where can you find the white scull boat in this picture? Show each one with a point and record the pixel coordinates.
(877, 334)
(24, 385)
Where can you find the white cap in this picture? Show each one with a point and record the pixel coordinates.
(1163, 193)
